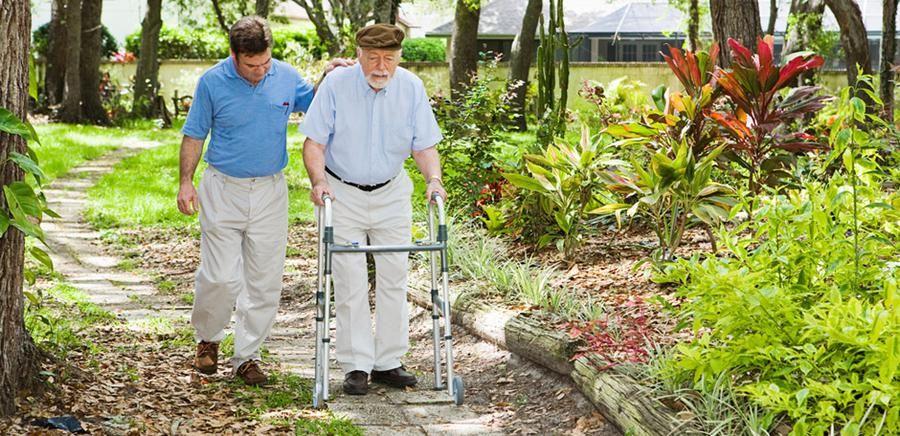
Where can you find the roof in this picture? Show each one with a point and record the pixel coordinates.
(637, 18)
(503, 18)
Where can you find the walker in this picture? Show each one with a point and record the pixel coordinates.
(440, 303)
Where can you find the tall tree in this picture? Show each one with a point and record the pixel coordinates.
(71, 111)
(385, 11)
(91, 52)
(464, 46)
(262, 8)
(146, 82)
(220, 17)
(520, 59)
(853, 38)
(337, 30)
(694, 25)
(773, 17)
(888, 52)
(18, 356)
(804, 27)
(738, 19)
(55, 78)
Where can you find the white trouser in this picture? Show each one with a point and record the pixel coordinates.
(385, 216)
(243, 236)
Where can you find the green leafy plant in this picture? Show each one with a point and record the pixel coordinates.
(424, 50)
(672, 193)
(26, 205)
(567, 179)
(758, 128)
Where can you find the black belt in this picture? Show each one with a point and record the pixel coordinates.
(367, 188)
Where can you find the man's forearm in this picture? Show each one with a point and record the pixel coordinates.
(314, 161)
(429, 163)
(191, 149)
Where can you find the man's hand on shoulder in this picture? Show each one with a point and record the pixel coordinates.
(338, 62)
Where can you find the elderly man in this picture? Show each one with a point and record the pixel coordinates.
(363, 124)
(245, 101)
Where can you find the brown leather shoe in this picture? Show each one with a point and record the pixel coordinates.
(397, 377)
(250, 373)
(356, 383)
(207, 358)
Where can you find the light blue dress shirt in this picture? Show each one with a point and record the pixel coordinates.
(248, 123)
(367, 134)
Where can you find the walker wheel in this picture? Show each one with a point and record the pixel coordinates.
(458, 390)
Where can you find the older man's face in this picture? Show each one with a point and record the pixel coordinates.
(378, 65)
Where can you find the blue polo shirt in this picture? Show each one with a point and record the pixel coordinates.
(367, 134)
(248, 123)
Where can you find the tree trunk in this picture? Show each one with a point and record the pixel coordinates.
(91, 35)
(806, 26)
(386, 11)
(55, 79)
(773, 17)
(18, 356)
(853, 40)
(71, 111)
(316, 14)
(520, 59)
(146, 82)
(738, 19)
(694, 25)
(220, 18)
(262, 8)
(888, 51)
(464, 47)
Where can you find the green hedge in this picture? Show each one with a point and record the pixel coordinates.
(205, 44)
(41, 41)
(424, 50)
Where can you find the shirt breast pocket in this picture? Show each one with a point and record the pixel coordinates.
(399, 137)
(278, 114)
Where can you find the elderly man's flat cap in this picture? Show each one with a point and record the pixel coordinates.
(381, 35)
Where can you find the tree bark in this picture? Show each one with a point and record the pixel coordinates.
(738, 19)
(18, 356)
(316, 14)
(146, 82)
(55, 79)
(888, 51)
(91, 53)
(71, 111)
(464, 47)
(800, 35)
(853, 39)
(520, 59)
(386, 11)
(773, 17)
(220, 18)
(694, 25)
(262, 8)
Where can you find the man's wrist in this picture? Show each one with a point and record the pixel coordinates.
(436, 178)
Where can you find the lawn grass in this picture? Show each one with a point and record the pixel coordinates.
(65, 146)
(141, 191)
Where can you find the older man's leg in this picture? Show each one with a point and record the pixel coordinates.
(354, 345)
(265, 242)
(392, 226)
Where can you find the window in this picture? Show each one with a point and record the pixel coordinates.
(629, 52)
(648, 53)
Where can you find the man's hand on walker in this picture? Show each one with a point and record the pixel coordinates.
(318, 190)
(435, 186)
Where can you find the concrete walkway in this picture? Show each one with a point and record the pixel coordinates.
(78, 255)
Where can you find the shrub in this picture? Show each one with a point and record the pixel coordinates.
(177, 43)
(41, 41)
(424, 50)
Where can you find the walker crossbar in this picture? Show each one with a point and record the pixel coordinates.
(440, 302)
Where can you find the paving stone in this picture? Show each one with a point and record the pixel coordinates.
(431, 414)
(460, 429)
(369, 413)
(390, 430)
(421, 395)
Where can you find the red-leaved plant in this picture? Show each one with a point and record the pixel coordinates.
(756, 130)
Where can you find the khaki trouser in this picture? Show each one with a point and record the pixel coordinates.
(243, 227)
(385, 217)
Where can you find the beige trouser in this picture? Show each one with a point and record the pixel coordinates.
(243, 236)
(385, 216)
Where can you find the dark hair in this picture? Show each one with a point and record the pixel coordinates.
(250, 35)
